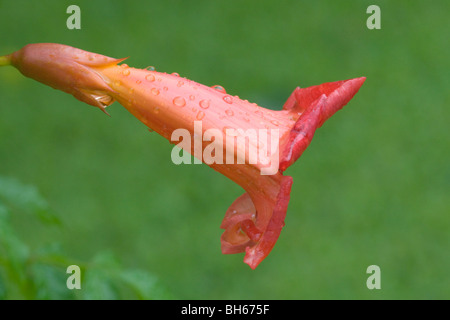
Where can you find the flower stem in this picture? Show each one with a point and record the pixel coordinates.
(5, 60)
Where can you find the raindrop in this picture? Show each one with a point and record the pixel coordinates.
(175, 74)
(179, 101)
(219, 88)
(191, 97)
(204, 104)
(200, 115)
(126, 72)
(124, 65)
(117, 83)
(155, 91)
(151, 68)
(180, 83)
(229, 112)
(228, 99)
(150, 77)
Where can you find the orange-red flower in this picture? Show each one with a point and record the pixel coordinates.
(168, 102)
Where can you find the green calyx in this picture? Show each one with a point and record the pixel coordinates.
(5, 60)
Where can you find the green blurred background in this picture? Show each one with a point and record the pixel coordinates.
(372, 188)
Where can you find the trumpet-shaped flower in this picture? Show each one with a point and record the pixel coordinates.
(249, 144)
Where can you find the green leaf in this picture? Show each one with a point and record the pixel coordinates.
(26, 199)
(144, 285)
(50, 282)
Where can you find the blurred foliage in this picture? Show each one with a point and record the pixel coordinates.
(372, 188)
(42, 273)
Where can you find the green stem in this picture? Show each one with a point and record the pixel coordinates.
(5, 60)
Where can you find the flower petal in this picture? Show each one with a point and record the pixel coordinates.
(315, 104)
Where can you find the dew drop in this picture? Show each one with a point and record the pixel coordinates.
(117, 83)
(179, 101)
(150, 77)
(151, 68)
(200, 115)
(124, 65)
(138, 81)
(180, 83)
(126, 72)
(175, 74)
(204, 104)
(228, 99)
(165, 88)
(192, 97)
(219, 88)
(229, 112)
(155, 91)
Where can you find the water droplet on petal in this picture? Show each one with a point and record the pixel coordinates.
(219, 88)
(126, 72)
(228, 99)
(151, 68)
(155, 91)
(191, 97)
(165, 88)
(229, 112)
(117, 83)
(156, 110)
(180, 83)
(138, 81)
(150, 77)
(204, 104)
(124, 65)
(175, 74)
(179, 101)
(200, 115)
